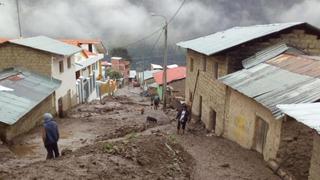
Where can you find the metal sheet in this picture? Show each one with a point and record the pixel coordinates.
(47, 44)
(308, 114)
(29, 90)
(223, 40)
(270, 86)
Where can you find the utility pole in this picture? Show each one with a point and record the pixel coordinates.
(18, 14)
(165, 61)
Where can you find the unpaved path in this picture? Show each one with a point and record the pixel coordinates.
(90, 126)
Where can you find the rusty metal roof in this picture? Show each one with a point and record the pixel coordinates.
(21, 91)
(229, 38)
(308, 114)
(285, 79)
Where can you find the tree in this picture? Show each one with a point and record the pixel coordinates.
(114, 74)
(121, 52)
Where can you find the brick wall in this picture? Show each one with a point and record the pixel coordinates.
(29, 121)
(314, 172)
(178, 87)
(18, 56)
(212, 92)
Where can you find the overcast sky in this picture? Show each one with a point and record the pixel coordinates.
(119, 22)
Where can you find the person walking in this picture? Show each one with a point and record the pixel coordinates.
(182, 117)
(156, 102)
(50, 136)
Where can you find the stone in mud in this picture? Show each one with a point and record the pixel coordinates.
(66, 152)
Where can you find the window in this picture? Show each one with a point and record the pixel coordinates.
(61, 66)
(204, 68)
(191, 64)
(90, 47)
(69, 62)
(215, 70)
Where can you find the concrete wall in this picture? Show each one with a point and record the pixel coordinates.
(18, 56)
(68, 84)
(29, 121)
(241, 119)
(314, 172)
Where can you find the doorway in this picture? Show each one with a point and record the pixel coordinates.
(213, 117)
(261, 132)
(60, 107)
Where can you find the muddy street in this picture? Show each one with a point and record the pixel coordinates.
(112, 140)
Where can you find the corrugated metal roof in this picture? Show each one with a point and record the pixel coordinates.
(47, 44)
(229, 38)
(308, 114)
(271, 85)
(172, 75)
(264, 55)
(29, 90)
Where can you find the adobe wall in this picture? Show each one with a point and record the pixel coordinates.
(208, 87)
(29, 121)
(241, 122)
(314, 172)
(18, 56)
(295, 148)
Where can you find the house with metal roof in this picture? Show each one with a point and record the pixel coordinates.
(48, 57)
(278, 75)
(307, 114)
(211, 57)
(88, 67)
(24, 97)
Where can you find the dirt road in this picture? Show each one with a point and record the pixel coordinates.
(112, 141)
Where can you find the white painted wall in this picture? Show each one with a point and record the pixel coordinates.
(68, 77)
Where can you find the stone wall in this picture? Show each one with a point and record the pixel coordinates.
(18, 56)
(314, 172)
(28, 121)
(295, 148)
(240, 123)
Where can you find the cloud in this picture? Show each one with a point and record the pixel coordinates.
(119, 22)
(305, 11)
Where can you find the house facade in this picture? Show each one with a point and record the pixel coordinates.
(88, 67)
(47, 57)
(25, 97)
(211, 57)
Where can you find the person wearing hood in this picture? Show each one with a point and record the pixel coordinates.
(50, 136)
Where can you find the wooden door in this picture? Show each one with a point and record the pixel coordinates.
(261, 132)
(60, 107)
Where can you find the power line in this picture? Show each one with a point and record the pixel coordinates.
(159, 29)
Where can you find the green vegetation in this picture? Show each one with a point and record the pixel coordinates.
(113, 74)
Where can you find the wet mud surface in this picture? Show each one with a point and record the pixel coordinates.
(112, 140)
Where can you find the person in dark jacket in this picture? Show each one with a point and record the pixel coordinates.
(182, 117)
(50, 136)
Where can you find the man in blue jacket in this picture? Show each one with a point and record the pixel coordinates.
(50, 136)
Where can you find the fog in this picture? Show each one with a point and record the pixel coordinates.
(121, 22)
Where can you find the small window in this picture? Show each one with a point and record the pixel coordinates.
(215, 70)
(191, 64)
(204, 64)
(69, 62)
(90, 47)
(61, 66)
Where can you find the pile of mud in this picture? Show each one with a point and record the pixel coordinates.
(134, 157)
